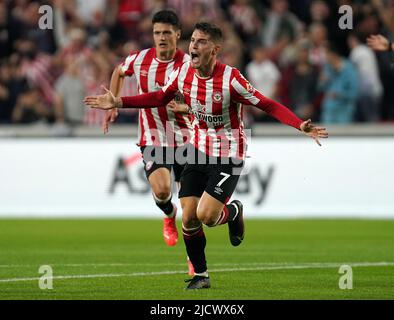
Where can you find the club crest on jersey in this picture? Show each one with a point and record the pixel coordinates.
(217, 96)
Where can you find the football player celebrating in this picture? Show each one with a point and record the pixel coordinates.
(215, 93)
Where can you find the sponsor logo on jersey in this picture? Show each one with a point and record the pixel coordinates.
(208, 118)
(199, 113)
(144, 73)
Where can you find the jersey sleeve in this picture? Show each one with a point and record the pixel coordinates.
(154, 99)
(128, 64)
(243, 92)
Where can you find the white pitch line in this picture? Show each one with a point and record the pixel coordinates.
(180, 264)
(263, 268)
(138, 264)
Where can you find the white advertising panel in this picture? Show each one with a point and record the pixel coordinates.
(284, 177)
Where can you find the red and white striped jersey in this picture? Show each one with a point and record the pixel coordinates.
(216, 103)
(157, 126)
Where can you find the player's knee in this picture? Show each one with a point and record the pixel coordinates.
(187, 207)
(189, 222)
(162, 192)
(206, 216)
(189, 211)
(209, 221)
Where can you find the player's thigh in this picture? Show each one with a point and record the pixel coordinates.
(209, 209)
(193, 180)
(160, 181)
(189, 212)
(223, 179)
(157, 171)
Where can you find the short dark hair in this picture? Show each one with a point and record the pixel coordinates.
(212, 30)
(166, 16)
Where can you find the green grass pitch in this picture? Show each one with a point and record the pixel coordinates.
(128, 259)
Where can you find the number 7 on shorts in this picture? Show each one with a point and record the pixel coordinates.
(226, 176)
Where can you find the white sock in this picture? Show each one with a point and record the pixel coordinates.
(203, 274)
(161, 201)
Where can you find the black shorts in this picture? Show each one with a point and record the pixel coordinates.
(161, 157)
(218, 180)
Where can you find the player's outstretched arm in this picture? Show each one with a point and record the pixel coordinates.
(243, 92)
(108, 101)
(286, 116)
(379, 43)
(313, 131)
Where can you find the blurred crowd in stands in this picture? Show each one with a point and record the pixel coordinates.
(291, 50)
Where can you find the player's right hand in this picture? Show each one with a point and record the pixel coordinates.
(105, 101)
(110, 116)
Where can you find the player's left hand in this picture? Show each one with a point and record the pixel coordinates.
(314, 132)
(105, 101)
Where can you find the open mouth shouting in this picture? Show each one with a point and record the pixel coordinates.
(195, 57)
